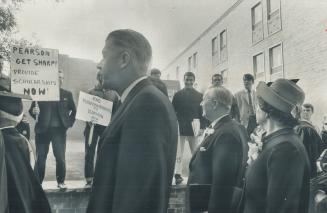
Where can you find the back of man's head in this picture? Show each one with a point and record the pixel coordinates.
(222, 95)
(155, 73)
(136, 44)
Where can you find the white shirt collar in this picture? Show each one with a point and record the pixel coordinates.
(130, 87)
(217, 120)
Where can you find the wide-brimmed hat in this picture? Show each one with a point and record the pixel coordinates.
(282, 94)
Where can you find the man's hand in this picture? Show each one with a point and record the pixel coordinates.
(36, 110)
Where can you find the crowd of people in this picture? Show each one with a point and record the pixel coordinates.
(253, 151)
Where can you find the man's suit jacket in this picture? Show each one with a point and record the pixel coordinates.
(137, 155)
(220, 161)
(243, 104)
(66, 110)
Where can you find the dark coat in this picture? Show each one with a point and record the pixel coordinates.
(186, 103)
(312, 142)
(25, 194)
(66, 108)
(278, 180)
(159, 84)
(136, 160)
(218, 161)
(3, 178)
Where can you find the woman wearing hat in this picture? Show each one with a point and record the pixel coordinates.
(278, 180)
(25, 194)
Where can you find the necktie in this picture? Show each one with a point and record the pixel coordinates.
(250, 103)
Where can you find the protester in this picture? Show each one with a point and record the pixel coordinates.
(246, 102)
(312, 142)
(187, 107)
(25, 193)
(306, 114)
(155, 75)
(98, 129)
(136, 160)
(220, 160)
(278, 180)
(54, 118)
(217, 80)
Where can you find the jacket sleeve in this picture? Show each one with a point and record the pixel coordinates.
(72, 108)
(226, 161)
(31, 110)
(141, 171)
(285, 179)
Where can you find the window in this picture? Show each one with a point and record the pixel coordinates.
(189, 63)
(223, 46)
(273, 16)
(224, 74)
(273, 7)
(177, 72)
(275, 59)
(195, 60)
(256, 15)
(214, 50)
(258, 65)
(257, 25)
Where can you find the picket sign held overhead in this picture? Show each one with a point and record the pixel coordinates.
(34, 71)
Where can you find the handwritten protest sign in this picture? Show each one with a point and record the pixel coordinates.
(34, 71)
(93, 109)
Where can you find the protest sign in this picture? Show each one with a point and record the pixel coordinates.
(34, 71)
(93, 109)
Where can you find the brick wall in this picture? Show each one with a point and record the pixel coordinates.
(76, 200)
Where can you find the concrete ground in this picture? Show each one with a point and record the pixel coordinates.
(75, 165)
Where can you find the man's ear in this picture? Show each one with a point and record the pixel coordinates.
(125, 59)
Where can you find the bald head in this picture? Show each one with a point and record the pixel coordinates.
(217, 101)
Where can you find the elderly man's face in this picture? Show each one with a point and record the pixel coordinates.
(109, 65)
(217, 81)
(306, 113)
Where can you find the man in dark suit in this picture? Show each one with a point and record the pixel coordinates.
(220, 160)
(186, 103)
(136, 159)
(54, 118)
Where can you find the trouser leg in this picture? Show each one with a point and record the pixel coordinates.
(89, 154)
(59, 149)
(42, 142)
(192, 140)
(179, 157)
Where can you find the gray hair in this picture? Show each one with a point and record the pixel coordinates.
(221, 95)
(135, 43)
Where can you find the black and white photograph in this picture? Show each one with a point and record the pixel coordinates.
(163, 106)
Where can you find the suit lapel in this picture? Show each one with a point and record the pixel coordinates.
(210, 138)
(123, 108)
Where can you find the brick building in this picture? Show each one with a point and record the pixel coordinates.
(268, 38)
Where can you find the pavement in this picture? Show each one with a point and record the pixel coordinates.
(75, 166)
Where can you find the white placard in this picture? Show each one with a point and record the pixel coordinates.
(93, 109)
(34, 71)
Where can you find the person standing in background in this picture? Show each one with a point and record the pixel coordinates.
(54, 118)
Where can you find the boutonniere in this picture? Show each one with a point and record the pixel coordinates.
(208, 131)
(255, 147)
